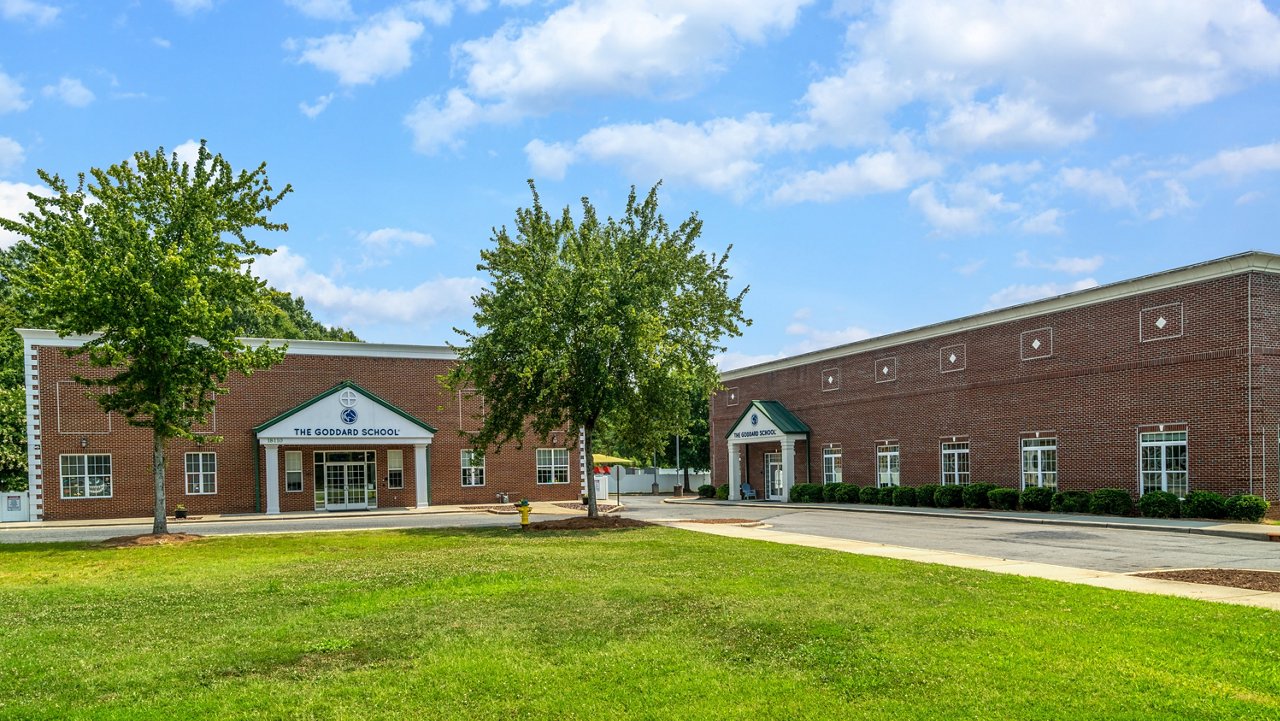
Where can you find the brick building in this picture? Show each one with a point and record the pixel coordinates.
(335, 426)
(1170, 381)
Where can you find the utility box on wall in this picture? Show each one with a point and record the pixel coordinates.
(13, 507)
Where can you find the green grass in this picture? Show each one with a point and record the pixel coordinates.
(646, 624)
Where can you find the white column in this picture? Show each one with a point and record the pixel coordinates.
(788, 467)
(273, 478)
(735, 473)
(420, 473)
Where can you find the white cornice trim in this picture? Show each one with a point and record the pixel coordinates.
(1198, 273)
(41, 337)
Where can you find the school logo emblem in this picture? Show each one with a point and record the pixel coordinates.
(349, 416)
(755, 419)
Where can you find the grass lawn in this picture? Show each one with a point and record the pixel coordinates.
(648, 623)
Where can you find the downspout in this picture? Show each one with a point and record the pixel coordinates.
(808, 457)
(257, 475)
(1249, 374)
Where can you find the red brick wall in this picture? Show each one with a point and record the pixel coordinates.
(1100, 385)
(410, 384)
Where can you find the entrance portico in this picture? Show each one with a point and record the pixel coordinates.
(348, 422)
(766, 422)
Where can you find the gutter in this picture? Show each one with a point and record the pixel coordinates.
(257, 475)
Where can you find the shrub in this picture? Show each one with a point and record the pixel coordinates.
(722, 492)
(707, 490)
(948, 496)
(1247, 507)
(1070, 502)
(1111, 502)
(1037, 498)
(829, 492)
(924, 495)
(975, 495)
(847, 493)
(806, 493)
(886, 495)
(904, 496)
(1204, 504)
(1159, 504)
(1003, 499)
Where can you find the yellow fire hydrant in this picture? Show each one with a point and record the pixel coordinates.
(523, 507)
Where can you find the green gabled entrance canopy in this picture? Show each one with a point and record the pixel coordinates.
(360, 393)
(775, 413)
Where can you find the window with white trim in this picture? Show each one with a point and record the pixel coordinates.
(887, 468)
(553, 465)
(473, 468)
(1040, 463)
(1163, 458)
(832, 465)
(395, 468)
(955, 464)
(293, 471)
(86, 475)
(202, 473)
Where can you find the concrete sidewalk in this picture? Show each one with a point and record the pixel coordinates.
(1086, 577)
(535, 508)
(1247, 531)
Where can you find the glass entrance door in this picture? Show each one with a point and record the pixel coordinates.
(773, 476)
(345, 486)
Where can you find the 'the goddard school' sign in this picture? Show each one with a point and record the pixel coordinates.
(755, 426)
(323, 432)
(345, 415)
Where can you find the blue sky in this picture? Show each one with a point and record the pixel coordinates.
(876, 165)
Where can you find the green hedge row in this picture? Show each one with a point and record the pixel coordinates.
(1104, 501)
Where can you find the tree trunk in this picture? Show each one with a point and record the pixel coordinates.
(593, 511)
(161, 523)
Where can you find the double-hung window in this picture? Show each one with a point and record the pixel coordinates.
(1163, 457)
(86, 475)
(473, 468)
(202, 473)
(293, 471)
(1040, 463)
(955, 464)
(553, 465)
(395, 468)
(832, 465)
(887, 470)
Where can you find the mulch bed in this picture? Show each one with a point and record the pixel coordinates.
(1235, 578)
(583, 523)
(575, 506)
(149, 539)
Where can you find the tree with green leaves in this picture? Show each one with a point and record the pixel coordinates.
(153, 258)
(596, 321)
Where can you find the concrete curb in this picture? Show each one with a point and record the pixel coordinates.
(1237, 530)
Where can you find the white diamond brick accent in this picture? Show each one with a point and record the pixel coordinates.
(1036, 344)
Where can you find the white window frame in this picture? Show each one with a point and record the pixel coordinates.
(549, 467)
(957, 452)
(204, 478)
(395, 469)
(888, 465)
(84, 476)
(832, 465)
(472, 475)
(291, 473)
(1161, 442)
(1043, 451)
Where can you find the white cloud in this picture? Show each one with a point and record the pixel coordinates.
(874, 172)
(439, 12)
(27, 10)
(610, 47)
(1015, 294)
(188, 152)
(422, 305)
(394, 237)
(190, 7)
(971, 267)
(1006, 123)
(1100, 184)
(549, 160)
(312, 110)
(1048, 222)
(807, 339)
(70, 91)
(379, 48)
(1073, 266)
(965, 210)
(1250, 197)
(999, 173)
(161, 42)
(1176, 199)
(1240, 162)
(11, 155)
(14, 202)
(11, 95)
(323, 9)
